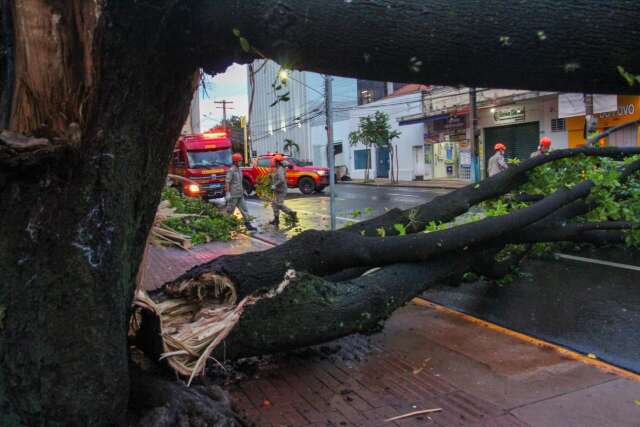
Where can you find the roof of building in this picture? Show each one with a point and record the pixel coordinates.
(410, 88)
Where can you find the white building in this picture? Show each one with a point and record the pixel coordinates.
(272, 124)
(192, 124)
(407, 101)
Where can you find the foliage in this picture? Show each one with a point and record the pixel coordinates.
(291, 146)
(263, 188)
(610, 199)
(210, 224)
(401, 229)
(373, 131)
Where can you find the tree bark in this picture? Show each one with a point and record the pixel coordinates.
(100, 91)
(99, 84)
(476, 44)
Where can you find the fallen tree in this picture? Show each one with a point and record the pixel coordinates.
(288, 297)
(93, 98)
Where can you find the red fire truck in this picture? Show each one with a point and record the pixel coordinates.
(203, 160)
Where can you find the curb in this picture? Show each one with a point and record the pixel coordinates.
(261, 239)
(586, 359)
(435, 187)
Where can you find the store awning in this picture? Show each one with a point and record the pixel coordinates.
(404, 121)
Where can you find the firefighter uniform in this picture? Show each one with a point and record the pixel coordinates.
(279, 186)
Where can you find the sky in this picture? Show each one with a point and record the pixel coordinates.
(230, 85)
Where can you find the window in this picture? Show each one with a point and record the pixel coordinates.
(557, 125)
(204, 159)
(263, 163)
(178, 158)
(360, 158)
(337, 148)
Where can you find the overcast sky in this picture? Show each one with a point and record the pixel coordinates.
(230, 85)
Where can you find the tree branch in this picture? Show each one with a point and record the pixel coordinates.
(446, 207)
(504, 44)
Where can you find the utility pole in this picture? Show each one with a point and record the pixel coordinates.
(590, 121)
(224, 107)
(473, 118)
(328, 105)
(243, 125)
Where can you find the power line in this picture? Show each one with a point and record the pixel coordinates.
(286, 127)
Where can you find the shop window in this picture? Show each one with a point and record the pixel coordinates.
(557, 125)
(360, 158)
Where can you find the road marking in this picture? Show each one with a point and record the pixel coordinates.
(405, 195)
(598, 261)
(604, 366)
(341, 218)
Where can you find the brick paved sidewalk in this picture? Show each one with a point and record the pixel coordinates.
(427, 359)
(423, 359)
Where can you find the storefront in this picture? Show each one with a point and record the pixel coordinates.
(446, 147)
(628, 109)
(518, 126)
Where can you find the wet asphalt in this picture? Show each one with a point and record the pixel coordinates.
(587, 307)
(590, 308)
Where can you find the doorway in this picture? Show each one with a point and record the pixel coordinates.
(382, 162)
(418, 163)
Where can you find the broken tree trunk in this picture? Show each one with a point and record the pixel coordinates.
(255, 302)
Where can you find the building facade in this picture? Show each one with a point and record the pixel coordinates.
(192, 124)
(271, 125)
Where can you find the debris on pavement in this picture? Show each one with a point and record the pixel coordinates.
(413, 414)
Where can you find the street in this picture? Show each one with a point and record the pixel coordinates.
(353, 203)
(588, 301)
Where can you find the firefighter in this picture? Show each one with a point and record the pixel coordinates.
(279, 187)
(234, 193)
(543, 148)
(496, 162)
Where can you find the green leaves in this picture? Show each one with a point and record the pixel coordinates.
(209, 224)
(401, 229)
(244, 43)
(631, 79)
(374, 131)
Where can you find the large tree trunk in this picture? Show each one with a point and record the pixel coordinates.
(100, 89)
(75, 210)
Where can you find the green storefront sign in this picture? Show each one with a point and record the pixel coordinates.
(509, 114)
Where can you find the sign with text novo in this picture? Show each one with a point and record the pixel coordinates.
(511, 114)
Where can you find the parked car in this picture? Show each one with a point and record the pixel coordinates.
(305, 178)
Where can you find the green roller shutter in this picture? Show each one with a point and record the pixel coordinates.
(521, 140)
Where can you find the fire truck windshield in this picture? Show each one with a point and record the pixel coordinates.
(204, 159)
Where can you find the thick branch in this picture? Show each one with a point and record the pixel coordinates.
(312, 310)
(323, 253)
(505, 44)
(446, 207)
(568, 232)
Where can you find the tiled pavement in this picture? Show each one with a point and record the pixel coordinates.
(427, 359)
(423, 359)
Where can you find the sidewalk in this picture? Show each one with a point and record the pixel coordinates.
(424, 358)
(432, 183)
